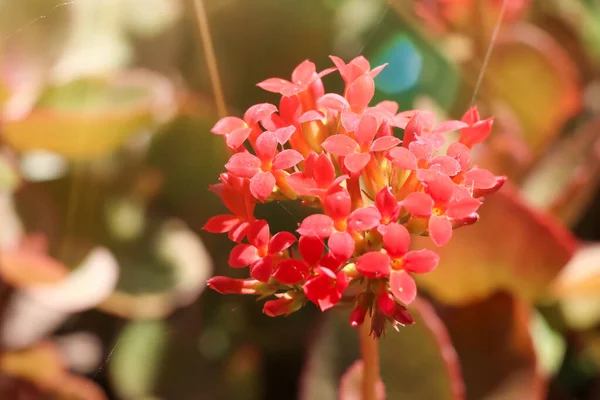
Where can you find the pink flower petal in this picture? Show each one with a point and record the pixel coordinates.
(258, 233)
(311, 115)
(449, 126)
(244, 165)
(439, 186)
(242, 255)
(421, 261)
(338, 203)
(476, 133)
(237, 138)
(396, 240)
(384, 143)
(341, 245)
(284, 134)
(311, 249)
(221, 223)
(259, 112)
(287, 159)
(360, 92)
(262, 185)
(275, 85)
(387, 204)
(281, 241)
(340, 145)
(440, 230)
(262, 269)
(421, 148)
(304, 72)
(227, 125)
(355, 162)
(374, 265)
(403, 286)
(266, 145)
(459, 209)
(460, 153)
(419, 204)
(291, 271)
(375, 71)
(444, 164)
(333, 101)
(364, 219)
(366, 130)
(350, 120)
(403, 158)
(324, 171)
(317, 225)
(479, 178)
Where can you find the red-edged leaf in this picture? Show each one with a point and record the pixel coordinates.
(340, 145)
(426, 352)
(512, 247)
(496, 329)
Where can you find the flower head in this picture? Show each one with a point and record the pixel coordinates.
(341, 156)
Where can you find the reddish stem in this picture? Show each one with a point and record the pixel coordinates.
(369, 349)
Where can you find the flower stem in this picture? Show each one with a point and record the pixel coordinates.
(369, 349)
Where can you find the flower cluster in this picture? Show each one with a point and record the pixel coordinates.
(339, 155)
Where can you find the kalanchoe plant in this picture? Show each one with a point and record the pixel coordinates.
(340, 155)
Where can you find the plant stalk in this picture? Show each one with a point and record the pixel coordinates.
(369, 350)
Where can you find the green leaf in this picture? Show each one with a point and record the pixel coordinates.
(137, 358)
(414, 355)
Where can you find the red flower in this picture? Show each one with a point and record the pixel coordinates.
(259, 253)
(263, 168)
(303, 76)
(397, 262)
(326, 287)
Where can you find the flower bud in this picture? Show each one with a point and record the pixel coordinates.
(226, 285)
(286, 304)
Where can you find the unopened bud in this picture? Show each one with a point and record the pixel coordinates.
(226, 285)
(286, 304)
(402, 316)
(386, 304)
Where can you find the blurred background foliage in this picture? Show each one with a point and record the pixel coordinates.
(106, 157)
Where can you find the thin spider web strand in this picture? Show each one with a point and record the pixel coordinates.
(36, 19)
(488, 53)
